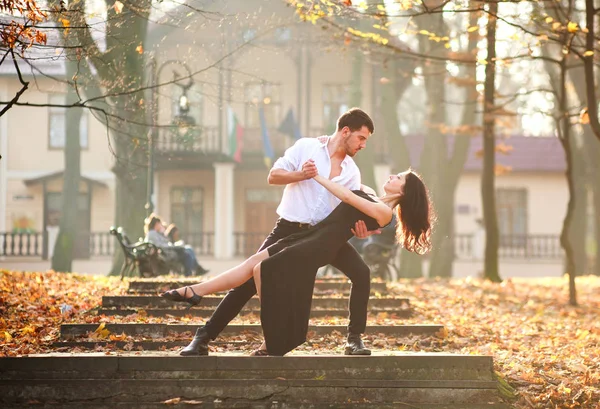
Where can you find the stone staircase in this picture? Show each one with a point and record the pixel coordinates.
(136, 365)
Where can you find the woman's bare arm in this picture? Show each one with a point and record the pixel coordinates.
(377, 210)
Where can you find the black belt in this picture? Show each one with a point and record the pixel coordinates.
(294, 224)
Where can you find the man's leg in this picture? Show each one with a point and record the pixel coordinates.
(349, 262)
(231, 305)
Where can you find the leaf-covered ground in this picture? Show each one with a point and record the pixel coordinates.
(548, 351)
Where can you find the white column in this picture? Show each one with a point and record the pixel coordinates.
(382, 172)
(3, 163)
(224, 196)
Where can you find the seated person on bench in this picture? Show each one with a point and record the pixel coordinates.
(155, 234)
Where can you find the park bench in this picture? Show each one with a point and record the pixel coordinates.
(149, 259)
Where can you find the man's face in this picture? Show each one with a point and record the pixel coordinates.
(355, 141)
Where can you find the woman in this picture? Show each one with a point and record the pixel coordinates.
(185, 251)
(157, 235)
(284, 273)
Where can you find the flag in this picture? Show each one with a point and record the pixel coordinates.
(289, 126)
(268, 149)
(236, 135)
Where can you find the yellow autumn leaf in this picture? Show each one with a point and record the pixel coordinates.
(472, 28)
(101, 331)
(173, 401)
(549, 19)
(442, 333)
(139, 49)
(572, 27)
(7, 336)
(584, 116)
(118, 6)
(28, 330)
(588, 53)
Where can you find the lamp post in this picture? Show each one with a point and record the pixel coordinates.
(182, 120)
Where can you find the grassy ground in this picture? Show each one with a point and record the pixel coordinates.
(546, 351)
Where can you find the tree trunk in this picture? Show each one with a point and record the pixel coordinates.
(62, 258)
(488, 194)
(578, 230)
(365, 159)
(411, 265)
(442, 260)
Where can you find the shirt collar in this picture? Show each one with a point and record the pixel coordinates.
(324, 140)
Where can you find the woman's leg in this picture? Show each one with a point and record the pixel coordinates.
(257, 282)
(229, 279)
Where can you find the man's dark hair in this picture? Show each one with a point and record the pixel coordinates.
(355, 118)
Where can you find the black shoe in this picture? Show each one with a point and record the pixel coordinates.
(200, 271)
(199, 344)
(173, 295)
(355, 346)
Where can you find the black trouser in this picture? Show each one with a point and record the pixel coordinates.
(347, 260)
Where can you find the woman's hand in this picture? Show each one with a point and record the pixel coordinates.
(361, 232)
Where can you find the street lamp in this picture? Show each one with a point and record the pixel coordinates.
(182, 120)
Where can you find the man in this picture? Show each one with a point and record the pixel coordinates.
(305, 203)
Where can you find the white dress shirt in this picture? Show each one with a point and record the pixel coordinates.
(307, 201)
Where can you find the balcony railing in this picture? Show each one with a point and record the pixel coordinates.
(22, 244)
(197, 139)
(202, 242)
(515, 247)
(102, 244)
(246, 244)
(206, 140)
(535, 246)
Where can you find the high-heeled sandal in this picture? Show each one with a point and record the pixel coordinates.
(173, 295)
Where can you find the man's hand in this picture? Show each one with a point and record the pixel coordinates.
(360, 230)
(309, 169)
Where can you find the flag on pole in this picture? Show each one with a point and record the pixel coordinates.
(236, 135)
(289, 126)
(268, 149)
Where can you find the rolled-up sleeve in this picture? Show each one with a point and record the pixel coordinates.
(292, 157)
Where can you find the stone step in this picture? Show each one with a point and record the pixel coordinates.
(247, 403)
(205, 313)
(417, 380)
(145, 287)
(154, 301)
(385, 365)
(71, 331)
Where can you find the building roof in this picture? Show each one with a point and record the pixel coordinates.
(519, 153)
(59, 175)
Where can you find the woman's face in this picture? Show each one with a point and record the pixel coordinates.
(159, 227)
(395, 183)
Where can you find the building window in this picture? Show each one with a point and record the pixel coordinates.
(58, 126)
(511, 206)
(269, 96)
(335, 103)
(187, 210)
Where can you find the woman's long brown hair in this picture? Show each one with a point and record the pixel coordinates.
(415, 216)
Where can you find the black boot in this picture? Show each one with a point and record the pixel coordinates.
(355, 346)
(199, 345)
(200, 271)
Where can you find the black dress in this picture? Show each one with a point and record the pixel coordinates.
(288, 275)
